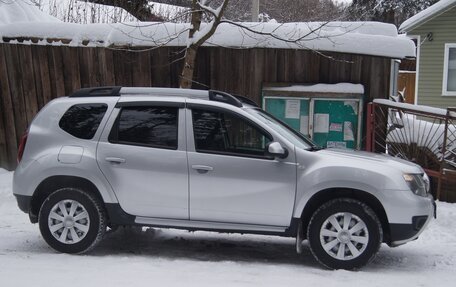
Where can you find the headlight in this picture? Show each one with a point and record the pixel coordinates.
(417, 183)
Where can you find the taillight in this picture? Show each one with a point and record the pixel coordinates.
(20, 151)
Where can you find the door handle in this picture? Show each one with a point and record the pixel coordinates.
(202, 168)
(115, 160)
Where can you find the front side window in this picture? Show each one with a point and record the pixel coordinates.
(226, 133)
(82, 120)
(449, 70)
(146, 126)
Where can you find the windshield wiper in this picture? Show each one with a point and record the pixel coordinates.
(315, 148)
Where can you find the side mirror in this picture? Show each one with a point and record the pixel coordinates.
(276, 149)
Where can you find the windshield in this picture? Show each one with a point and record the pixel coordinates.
(283, 129)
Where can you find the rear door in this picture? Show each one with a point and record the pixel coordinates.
(143, 157)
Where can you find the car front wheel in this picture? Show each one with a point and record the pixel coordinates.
(72, 221)
(344, 234)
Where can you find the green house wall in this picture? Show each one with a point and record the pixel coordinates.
(431, 57)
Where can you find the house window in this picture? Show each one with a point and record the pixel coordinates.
(449, 70)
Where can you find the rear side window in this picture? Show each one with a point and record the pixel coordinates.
(146, 126)
(82, 120)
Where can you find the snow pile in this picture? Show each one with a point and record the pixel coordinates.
(15, 11)
(84, 12)
(346, 88)
(427, 14)
(6, 179)
(369, 38)
(179, 258)
(171, 13)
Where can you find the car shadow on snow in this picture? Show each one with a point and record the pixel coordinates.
(203, 246)
(216, 247)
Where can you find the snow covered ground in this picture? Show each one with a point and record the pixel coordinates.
(156, 257)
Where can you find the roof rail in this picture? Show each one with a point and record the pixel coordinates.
(109, 91)
(246, 100)
(223, 97)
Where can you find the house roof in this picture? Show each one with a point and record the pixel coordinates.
(433, 11)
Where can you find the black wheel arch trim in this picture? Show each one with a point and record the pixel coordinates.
(53, 183)
(326, 195)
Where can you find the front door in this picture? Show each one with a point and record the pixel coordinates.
(232, 179)
(144, 161)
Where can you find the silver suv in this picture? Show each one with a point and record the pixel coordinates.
(207, 160)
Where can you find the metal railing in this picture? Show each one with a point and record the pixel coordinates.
(421, 134)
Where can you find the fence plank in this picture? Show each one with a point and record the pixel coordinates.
(28, 82)
(45, 76)
(7, 130)
(15, 82)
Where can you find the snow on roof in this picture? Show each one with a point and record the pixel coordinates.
(435, 10)
(347, 88)
(84, 12)
(368, 38)
(14, 11)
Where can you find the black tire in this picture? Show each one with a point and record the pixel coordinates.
(320, 224)
(94, 221)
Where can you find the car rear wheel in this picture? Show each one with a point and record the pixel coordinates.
(344, 234)
(72, 221)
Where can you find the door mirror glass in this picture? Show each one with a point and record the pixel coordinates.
(276, 149)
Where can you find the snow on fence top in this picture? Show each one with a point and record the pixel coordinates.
(427, 14)
(322, 88)
(369, 38)
(416, 108)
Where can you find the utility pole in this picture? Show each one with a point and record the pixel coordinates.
(255, 10)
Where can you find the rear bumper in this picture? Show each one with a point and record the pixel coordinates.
(403, 233)
(23, 201)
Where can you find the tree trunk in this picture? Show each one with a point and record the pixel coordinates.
(190, 53)
(186, 78)
(188, 69)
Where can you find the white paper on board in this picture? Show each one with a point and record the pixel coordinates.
(348, 131)
(292, 109)
(304, 125)
(335, 127)
(321, 123)
(335, 144)
(352, 104)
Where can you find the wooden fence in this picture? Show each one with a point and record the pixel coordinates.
(32, 75)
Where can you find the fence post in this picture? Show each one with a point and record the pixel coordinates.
(370, 127)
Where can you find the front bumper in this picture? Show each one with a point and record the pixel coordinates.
(403, 233)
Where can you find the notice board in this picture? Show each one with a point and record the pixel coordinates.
(330, 122)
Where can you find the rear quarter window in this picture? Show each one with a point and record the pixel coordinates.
(82, 120)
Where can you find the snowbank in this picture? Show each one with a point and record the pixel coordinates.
(368, 38)
(15, 11)
(169, 12)
(84, 12)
